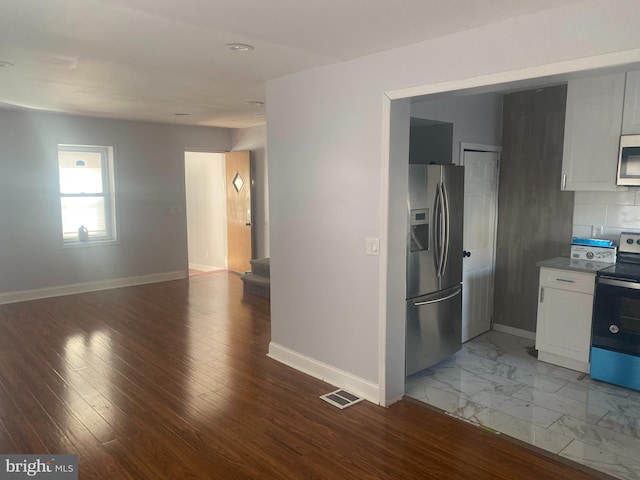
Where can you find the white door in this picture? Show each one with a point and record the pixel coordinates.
(480, 215)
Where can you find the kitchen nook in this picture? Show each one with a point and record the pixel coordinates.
(560, 367)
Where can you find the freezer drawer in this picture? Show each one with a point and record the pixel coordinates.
(434, 328)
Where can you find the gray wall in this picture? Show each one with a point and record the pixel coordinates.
(475, 118)
(150, 186)
(331, 188)
(431, 144)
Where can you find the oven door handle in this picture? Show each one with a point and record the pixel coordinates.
(618, 283)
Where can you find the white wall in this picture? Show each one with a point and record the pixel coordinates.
(255, 139)
(328, 137)
(150, 193)
(475, 118)
(206, 210)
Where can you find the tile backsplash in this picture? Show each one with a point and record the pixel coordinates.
(606, 214)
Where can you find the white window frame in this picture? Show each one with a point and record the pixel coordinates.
(108, 193)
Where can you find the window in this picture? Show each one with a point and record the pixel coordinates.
(87, 194)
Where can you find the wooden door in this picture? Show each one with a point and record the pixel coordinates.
(239, 219)
(480, 215)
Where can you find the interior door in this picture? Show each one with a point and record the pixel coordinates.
(480, 221)
(239, 212)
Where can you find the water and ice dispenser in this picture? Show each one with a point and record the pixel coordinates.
(419, 225)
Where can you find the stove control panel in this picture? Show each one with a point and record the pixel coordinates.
(630, 242)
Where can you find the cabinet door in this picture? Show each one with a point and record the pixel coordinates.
(593, 124)
(564, 323)
(631, 115)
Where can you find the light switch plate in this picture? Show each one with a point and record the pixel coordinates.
(373, 246)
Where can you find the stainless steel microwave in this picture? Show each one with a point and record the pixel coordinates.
(629, 160)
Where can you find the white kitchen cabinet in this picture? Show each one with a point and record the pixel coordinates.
(565, 303)
(631, 113)
(593, 123)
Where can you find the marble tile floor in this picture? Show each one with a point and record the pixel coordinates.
(496, 382)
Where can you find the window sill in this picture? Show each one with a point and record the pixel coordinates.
(90, 243)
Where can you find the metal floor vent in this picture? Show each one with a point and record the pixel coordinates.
(341, 398)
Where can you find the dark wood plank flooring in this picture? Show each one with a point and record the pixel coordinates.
(172, 381)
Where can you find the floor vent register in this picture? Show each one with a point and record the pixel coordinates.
(341, 398)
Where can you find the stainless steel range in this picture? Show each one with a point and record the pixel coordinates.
(615, 342)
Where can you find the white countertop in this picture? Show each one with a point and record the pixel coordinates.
(566, 263)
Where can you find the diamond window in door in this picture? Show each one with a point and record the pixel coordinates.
(238, 182)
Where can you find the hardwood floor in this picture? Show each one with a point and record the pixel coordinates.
(172, 381)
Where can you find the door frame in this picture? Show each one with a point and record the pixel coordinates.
(479, 147)
(251, 185)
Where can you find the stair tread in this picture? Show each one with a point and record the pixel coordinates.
(261, 267)
(256, 285)
(253, 278)
(261, 261)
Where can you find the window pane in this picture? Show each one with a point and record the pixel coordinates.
(83, 211)
(87, 193)
(80, 172)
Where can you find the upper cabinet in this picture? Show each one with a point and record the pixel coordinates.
(593, 123)
(631, 114)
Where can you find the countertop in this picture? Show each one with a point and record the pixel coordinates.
(566, 263)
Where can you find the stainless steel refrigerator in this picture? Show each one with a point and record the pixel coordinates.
(434, 264)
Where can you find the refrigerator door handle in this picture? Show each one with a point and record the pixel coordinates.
(437, 220)
(447, 233)
(456, 291)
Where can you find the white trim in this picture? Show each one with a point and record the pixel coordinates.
(518, 332)
(204, 268)
(479, 147)
(72, 289)
(334, 376)
(607, 60)
(384, 256)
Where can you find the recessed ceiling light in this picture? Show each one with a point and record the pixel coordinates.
(239, 47)
(182, 114)
(256, 103)
(4, 64)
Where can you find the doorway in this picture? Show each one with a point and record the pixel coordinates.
(480, 225)
(219, 211)
(206, 211)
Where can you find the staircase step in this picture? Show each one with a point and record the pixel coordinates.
(261, 267)
(256, 285)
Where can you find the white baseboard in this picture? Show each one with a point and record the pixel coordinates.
(514, 331)
(204, 268)
(61, 290)
(339, 378)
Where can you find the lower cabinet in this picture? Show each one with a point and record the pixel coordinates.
(565, 304)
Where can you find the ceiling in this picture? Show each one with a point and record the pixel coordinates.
(152, 59)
